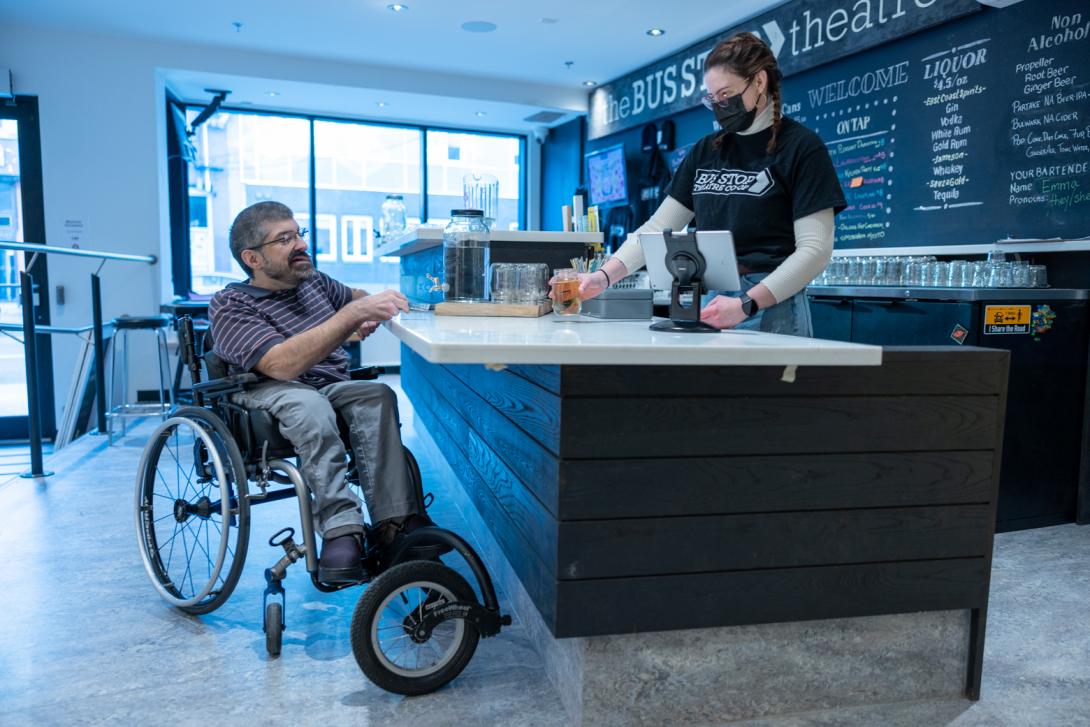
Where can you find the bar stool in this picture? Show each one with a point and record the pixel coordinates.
(119, 406)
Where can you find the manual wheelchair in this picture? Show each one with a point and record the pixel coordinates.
(418, 622)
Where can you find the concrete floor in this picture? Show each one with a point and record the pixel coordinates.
(84, 638)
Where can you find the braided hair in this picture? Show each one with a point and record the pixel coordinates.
(745, 55)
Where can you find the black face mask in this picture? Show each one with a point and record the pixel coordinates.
(732, 115)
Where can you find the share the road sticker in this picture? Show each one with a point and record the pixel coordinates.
(1006, 319)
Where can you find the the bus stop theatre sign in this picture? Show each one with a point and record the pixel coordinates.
(802, 34)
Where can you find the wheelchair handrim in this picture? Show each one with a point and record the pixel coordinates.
(225, 511)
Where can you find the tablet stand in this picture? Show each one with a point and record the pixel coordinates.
(686, 263)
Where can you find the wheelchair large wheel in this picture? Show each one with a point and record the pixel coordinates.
(385, 641)
(192, 511)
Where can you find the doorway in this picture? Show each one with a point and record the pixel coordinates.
(22, 219)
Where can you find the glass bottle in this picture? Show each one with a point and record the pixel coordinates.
(393, 215)
(465, 257)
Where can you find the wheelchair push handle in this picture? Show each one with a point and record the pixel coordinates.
(188, 351)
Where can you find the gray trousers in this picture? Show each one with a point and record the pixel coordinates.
(308, 419)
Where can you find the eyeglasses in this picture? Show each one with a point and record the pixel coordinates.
(284, 240)
(710, 101)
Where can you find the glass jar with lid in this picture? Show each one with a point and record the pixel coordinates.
(466, 257)
(393, 215)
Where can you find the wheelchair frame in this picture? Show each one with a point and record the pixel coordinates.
(217, 426)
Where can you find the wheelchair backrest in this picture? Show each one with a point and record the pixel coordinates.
(214, 366)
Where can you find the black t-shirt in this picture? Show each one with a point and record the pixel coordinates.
(756, 195)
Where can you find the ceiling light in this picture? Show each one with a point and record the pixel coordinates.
(272, 93)
(381, 104)
(656, 32)
(589, 84)
(478, 26)
(482, 113)
(397, 7)
(549, 21)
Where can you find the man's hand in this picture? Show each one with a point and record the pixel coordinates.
(367, 328)
(380, 306)
(723, 312)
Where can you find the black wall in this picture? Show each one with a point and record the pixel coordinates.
(561, 170)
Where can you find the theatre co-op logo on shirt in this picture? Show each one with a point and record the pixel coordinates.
(732, 181)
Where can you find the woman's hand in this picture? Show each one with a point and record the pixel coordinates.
(723, 312)
(590, 285)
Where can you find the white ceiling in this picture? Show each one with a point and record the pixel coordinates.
(603, 40)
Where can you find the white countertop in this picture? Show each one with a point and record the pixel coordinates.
(422, 238)
(555, 340)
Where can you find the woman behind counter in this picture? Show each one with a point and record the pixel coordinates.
(763, 176)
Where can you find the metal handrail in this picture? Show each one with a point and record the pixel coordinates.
(43, 249)
(30, 332)
(49, 329)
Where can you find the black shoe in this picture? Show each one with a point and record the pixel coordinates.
(387, 534)
(341, 560)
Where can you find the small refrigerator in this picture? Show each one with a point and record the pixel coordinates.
(1046, 331)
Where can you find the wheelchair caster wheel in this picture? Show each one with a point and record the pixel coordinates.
(393, 644)
(274, 628)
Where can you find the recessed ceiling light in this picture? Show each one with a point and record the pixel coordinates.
(478, 26)
(381, 104)
(588, 84)
(656, 32)
(272, 93)
(549, 21)
(397, 7)
(482, 113)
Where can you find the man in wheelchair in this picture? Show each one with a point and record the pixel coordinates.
(287, 324)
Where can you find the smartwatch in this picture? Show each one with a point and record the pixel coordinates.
(749, 306)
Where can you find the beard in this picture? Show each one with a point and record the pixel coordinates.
(297, 269)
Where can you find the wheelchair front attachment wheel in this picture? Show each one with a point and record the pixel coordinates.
(192, 511)
(399, 637)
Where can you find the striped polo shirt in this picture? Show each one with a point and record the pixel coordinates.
(247, 321)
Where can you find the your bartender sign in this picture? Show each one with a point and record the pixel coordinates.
(802, 34)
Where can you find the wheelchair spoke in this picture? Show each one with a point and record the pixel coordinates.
(188, 559)
(197, 543)
(430, 643)
(201, 526)
(170, 554)
(166, 484)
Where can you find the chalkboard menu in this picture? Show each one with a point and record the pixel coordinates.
(971, 132)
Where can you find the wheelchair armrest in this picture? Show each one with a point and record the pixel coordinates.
(226, 385)
(367, 373)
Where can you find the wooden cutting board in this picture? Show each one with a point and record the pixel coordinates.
(516, 310)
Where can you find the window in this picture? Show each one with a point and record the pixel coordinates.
(453, 155)
(243, 158)
(323, 235)
(357, 166)
(357, 238)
